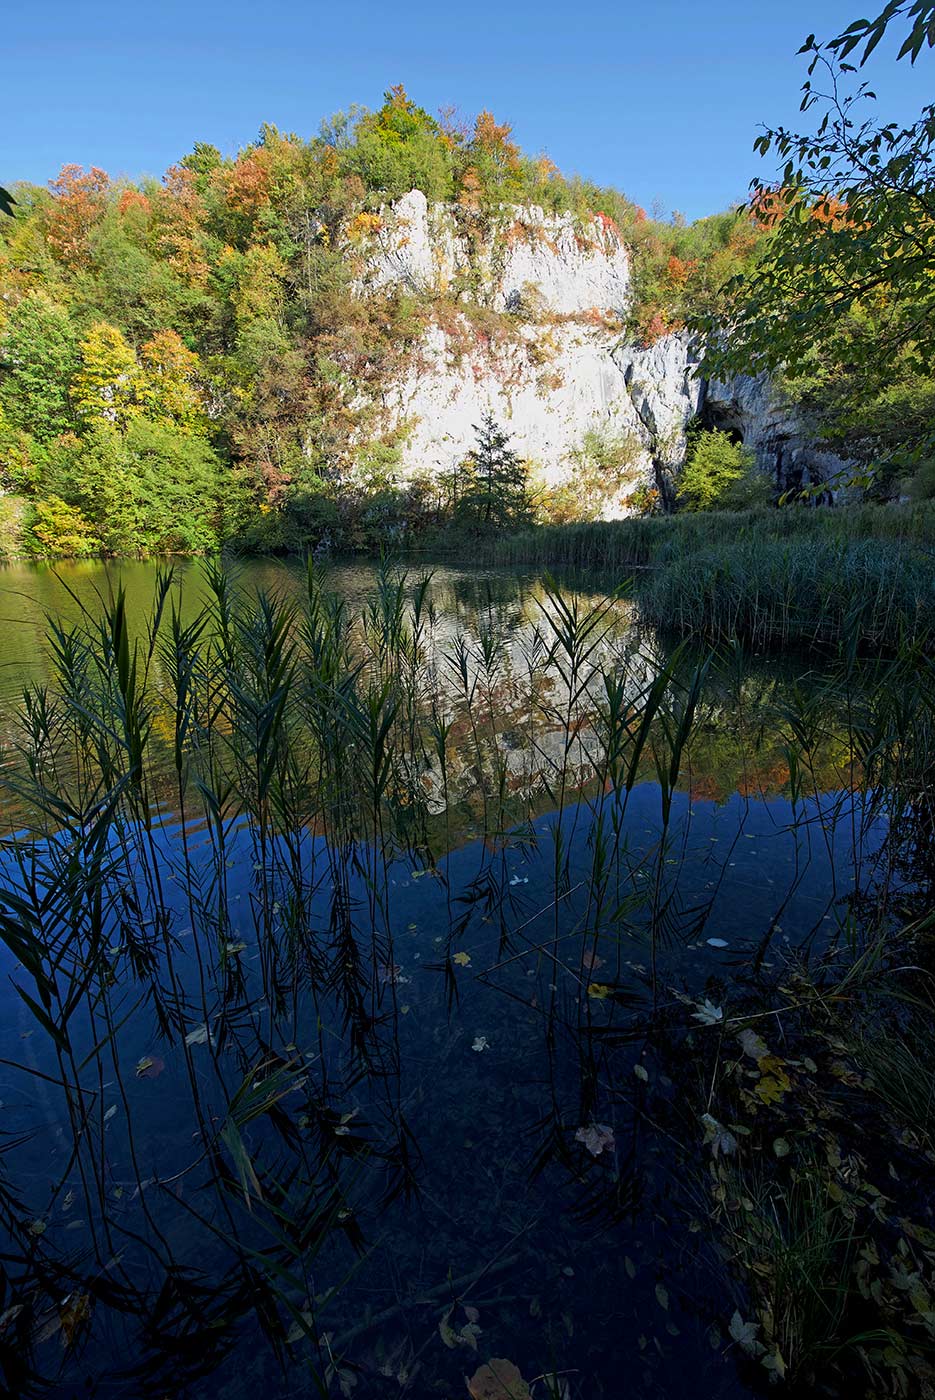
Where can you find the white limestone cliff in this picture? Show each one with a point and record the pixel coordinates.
(562, 372)
(438, 249)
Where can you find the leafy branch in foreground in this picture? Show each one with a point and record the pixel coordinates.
(922, 32)
(842, 298)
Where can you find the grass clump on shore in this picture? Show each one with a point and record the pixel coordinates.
(769, 578)
(795, 592)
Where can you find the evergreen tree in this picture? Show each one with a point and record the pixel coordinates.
(496, 492)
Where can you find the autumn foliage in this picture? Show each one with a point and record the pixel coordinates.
(213, 317)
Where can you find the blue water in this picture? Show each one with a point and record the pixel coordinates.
(425, 1135)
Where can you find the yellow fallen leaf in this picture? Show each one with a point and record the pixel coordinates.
(599, 991)
(462, 959)
(499, 1379)
(75, 1313)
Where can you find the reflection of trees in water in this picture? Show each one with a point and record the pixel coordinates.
(245, 1071)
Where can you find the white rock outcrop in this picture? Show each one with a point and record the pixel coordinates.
(559, 377)
(567, 266)
(590, 383)
(774, 430)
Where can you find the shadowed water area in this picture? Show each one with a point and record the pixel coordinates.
(361, 933)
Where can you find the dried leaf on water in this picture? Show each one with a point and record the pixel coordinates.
(774, 1081)
(150, 1067)
(744, 1334)
(752, 1044)
(597, 1138)
(498, 1379)
(76, 1311)
(707, 1013)
(465, 1336)
(717, 1136)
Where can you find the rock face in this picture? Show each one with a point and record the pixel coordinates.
(560, 266)
(590, 383)
(772, 428)
(563, 370)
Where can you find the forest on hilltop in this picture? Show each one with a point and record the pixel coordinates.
(194, 361)
(181, 360)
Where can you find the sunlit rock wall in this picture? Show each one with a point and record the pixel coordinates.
(565, 369)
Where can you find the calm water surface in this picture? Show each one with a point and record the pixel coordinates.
(363, 1114)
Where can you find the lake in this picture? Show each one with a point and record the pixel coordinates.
(362, 944)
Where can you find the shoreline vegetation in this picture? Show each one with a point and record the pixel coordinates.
(801, 578)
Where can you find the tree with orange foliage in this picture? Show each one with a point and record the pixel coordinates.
(80, 199)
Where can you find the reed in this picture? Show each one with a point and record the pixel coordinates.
(215, 820)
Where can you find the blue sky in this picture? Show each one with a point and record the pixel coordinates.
(661, 98)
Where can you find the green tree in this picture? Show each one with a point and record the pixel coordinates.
(399, 148)
(60, 530)
(104, 387)
(176, 478)
(720, 474)
(168, 385)
(39, 355)
(152, 489)
(495, 490)
(842, 296)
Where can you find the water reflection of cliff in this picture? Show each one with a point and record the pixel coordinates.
(487, 645)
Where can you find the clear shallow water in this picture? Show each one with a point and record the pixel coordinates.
(339, 1120)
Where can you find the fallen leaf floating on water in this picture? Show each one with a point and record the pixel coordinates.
(600, 991)
(10, 1316)
(499, 1379)
(597, 1138)
(466, 1336)
(150, 1067)
(752, 1044)
(480, 1043)
(774, 1081)
(591, 961)
(76, 1311)
(641, 1073)
(774, 1363)
(462, 959)
(744, 1334)
(717, 1136)
(298, 1330)
(717, 943)
(707, 1013)
(199, 1036)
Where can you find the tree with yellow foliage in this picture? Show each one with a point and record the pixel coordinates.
(104, 387)
(168, 382)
